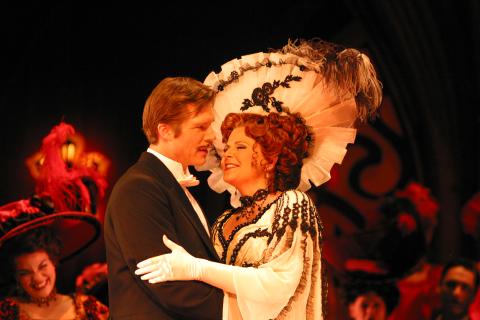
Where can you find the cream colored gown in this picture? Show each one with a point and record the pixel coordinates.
(283, 243)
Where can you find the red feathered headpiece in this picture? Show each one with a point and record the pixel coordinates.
(66, 198)
(69, 188)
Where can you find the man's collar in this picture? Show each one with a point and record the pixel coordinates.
(175, 167)
(184, 177)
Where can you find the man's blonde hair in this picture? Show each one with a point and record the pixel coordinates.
(172, 101)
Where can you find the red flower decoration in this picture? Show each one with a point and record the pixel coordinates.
(90, 276)
(425, 204)
(406, 223)
(471, 215)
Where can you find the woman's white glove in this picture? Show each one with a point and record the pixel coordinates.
(177, 265)
(180, 265)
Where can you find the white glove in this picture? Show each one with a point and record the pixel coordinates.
(180, 265)
(177, 265)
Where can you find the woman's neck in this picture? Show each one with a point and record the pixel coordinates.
(42, 301)
(63, 307)
(249, 190)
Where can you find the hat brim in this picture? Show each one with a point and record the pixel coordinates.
(384, 251)
(76, 230)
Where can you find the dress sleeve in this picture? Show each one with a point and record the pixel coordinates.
(289, 277)
(9, 309)
(90, 307)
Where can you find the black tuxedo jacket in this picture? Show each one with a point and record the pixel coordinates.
(145, 203)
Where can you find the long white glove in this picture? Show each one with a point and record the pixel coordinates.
(180, 265)
(272, 286)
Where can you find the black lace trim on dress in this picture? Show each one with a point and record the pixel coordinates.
(256, 234)
(302, 284)
(226, 242)
(311, 227)
(317, 258)
(248, 201)
(309, 220)
(293, 212)
(219, 233)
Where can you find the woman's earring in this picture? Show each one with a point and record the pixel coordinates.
(268, 175)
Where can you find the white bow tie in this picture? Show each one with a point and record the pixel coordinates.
(188, 181)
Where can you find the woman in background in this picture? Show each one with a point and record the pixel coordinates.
(30, 252)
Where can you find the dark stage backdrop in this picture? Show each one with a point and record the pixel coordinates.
(93, 65)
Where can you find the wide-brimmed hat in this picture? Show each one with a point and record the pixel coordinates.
(330, 86)
(394, 246)
(76, 230)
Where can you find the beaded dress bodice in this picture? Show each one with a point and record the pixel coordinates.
(280, 236)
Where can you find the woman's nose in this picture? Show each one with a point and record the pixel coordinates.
(227, 153)
(37, 277)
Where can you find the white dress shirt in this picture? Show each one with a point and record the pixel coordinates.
(176, 169)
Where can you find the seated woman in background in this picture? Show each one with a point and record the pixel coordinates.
(30, 252)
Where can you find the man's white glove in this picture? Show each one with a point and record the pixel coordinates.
(177, 265)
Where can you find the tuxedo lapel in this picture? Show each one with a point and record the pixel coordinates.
(182, 204)
(187, 209)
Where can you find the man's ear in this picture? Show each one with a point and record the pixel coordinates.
(165, 132)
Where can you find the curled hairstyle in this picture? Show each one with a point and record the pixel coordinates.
(38, 239)
(282, 137)
(173, 101)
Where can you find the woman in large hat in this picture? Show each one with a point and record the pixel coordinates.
(282, 120)
(33, 240)
(37, 233)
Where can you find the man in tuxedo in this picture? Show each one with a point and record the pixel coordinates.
(151, 199)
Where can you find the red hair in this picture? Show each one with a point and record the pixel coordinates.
(284, 141)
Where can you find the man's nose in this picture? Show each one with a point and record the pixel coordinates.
(210, 135)
(459, 292)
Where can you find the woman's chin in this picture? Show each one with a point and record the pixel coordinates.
(41, 293)
(230, 180)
